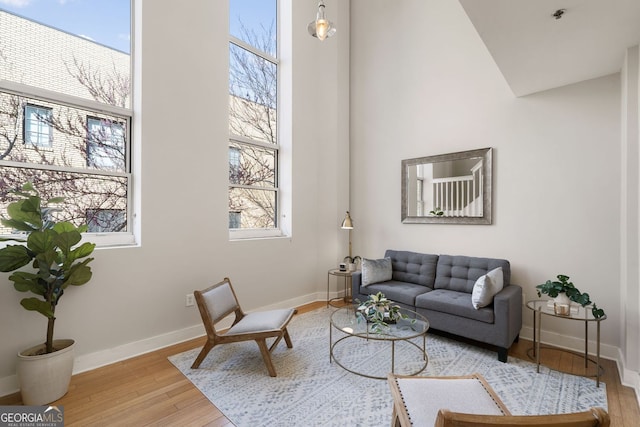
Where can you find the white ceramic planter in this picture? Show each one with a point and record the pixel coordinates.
(45, 378)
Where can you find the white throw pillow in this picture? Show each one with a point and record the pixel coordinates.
(486, 287)
(376, 271)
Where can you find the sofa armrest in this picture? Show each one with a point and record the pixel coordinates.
(507, 305)
(356, 282)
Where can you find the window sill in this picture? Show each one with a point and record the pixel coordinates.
(243, 235)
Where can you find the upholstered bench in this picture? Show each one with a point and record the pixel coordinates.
(417, 400)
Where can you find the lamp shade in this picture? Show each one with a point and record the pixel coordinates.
(347, 223)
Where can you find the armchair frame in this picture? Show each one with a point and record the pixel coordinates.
(219, 301)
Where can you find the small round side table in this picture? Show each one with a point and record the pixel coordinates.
(583, 314)
(346, 275)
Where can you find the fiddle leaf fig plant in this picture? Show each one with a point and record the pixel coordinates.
(563, 285)
(53, 248)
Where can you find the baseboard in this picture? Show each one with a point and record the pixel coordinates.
(90, 361)
(629, 378)
(569, 342)
(632, 379)
(87, 362)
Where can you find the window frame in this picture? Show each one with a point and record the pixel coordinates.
(122, 127)
(277, 230)
(27, 130)
(102, 239)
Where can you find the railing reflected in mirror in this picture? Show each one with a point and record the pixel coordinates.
(450, 188)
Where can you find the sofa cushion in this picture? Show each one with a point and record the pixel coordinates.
(460, 273)
(413, 267)
(401, 292)
(455, 303)
(486, 287)
(375, 271)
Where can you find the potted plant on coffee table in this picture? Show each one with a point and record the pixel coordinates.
(379, 311)
(57, 260)
(565, 291)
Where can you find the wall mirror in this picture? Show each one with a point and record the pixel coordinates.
(450, 188)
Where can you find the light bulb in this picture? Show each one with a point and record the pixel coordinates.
(322, 27)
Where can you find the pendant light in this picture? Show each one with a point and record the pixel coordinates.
(321, 27)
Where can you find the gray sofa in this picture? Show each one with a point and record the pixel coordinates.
(440, 286)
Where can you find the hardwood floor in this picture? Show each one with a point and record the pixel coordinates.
(149, 391)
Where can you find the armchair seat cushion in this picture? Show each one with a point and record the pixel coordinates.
(263, 321)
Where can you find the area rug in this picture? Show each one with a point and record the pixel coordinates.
(312, 391)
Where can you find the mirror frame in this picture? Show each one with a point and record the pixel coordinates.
(486, 154)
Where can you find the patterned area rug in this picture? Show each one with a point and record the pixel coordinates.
(311, 391)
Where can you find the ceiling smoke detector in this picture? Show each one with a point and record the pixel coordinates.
(558, 13)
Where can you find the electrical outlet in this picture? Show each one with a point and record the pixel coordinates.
(189, 301)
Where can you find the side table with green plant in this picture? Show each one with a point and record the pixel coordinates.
(562, 285)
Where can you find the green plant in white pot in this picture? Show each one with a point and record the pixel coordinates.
(563, 288)
(58, 261)
(352, 261)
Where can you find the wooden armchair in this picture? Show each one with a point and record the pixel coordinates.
(219, 301)
(469, 401)
(592, 418)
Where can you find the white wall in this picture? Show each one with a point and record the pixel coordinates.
(423, 85)
(630, 218)
(136, 300)
(427, 85)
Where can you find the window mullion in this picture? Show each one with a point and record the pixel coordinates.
(248, 47)
(62, 99)
(248, 141)
(35, 166)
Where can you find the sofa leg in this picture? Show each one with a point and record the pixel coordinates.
(502, 354)
(517, 338)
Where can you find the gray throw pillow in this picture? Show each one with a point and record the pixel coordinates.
(376, 271)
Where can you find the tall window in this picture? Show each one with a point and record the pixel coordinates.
(65, 110)
(253, 118)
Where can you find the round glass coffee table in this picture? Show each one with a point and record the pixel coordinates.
(363, 350)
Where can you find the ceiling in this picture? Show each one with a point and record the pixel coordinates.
(536, 52)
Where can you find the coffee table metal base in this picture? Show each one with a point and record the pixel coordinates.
(422, 350)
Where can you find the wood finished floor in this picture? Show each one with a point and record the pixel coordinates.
(149, 391)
